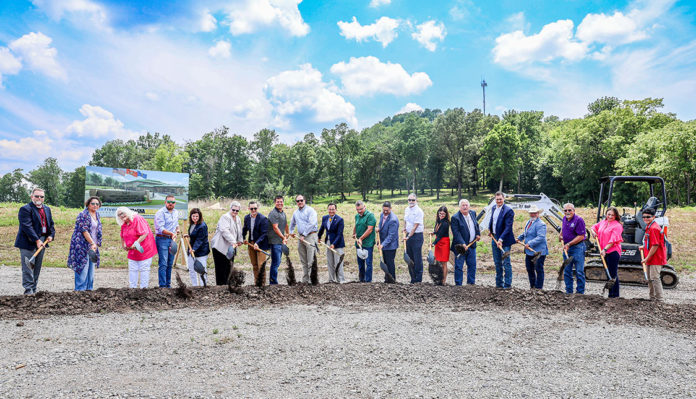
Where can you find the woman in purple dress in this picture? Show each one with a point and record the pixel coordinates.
(84, 245)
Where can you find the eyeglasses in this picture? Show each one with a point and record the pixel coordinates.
(171, 202)
(38, 196)
(234, 210)
(253, 209)
(411, 200)
(299, 200)
(567, 210)
(94, 203)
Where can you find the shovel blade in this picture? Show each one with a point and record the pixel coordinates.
(387, 276)
(567, 261)
(285, 250)
(30, 261)
(506, 254)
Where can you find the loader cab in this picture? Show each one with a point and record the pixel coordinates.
(631, 195)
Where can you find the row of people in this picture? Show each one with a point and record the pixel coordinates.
(262, 234)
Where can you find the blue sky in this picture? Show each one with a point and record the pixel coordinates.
(76, 73)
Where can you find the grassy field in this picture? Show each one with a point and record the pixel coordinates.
(681, 235)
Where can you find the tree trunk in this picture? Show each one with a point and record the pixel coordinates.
(475, 177)
(500, 187)
(519, 181)
(688, 188)
(459, 186)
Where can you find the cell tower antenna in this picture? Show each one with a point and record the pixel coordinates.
(483, 86)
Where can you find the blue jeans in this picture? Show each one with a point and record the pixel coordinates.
(535, 272)
(365, 266)
(165, 262)
(501, 266)
(470, 260)
(578, 253)
(85, 279)
(414, 249)
(612, 260)
(276, 254)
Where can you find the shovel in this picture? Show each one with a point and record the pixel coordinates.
(568, 260)
(340, 257)
(362, 253)
(431, 254)
(610, 284)
(387, 276)
(409, 262)
(645, 267)
(30, 261)
(285, 250)
(505, 254)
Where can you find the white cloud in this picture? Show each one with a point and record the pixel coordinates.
(252, 15)
(368, 76)
(383, 30)
(98, 123)
(79, 10)
(27, 147)
(34, 49)
(152, 96)
(221, 49)
(555, 40)
(428, 33)
(9, 65)
(303, 90)
(207, 23)
(516, 21)
(615, 29)
(410, 107)
(377, 3)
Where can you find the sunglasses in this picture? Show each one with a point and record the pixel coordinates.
(253, 209)
(94, 203)
(567, 210)
(235, 210)
(648, 217)
(299, 200)
(38, 196)
(411, 200)
(171, 202)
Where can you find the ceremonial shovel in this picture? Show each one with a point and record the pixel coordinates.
(610, 284)
(30, 261)
(390, 279)
(568, 260)
(409, 262)
(340, 257)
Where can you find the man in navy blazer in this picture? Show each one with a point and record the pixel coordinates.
(333, 225)
(257, 226)
(388, 230)
(35, 228)
(465, 231)
(500, 230)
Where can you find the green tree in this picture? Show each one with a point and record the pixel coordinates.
(74, 184)
(48, 176)
(265, 170)
(500, 148)
(168, 157)
(528, 125)
(414, 135)
(305, 163)
(603, 104)
(339, 144)
(12, 188)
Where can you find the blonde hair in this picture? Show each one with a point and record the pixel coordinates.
(122, 210)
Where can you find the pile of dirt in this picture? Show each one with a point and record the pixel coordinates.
(681, 317)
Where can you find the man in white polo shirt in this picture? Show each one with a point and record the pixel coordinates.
(413, 229)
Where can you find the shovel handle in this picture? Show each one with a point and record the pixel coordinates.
(642, 259)
(329, 247)
(41, 247)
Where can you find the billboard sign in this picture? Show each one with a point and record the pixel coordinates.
(143, 191)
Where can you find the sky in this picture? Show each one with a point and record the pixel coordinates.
(77, 73)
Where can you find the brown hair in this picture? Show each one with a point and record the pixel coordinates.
(200, 216)
(443, 208)
(90, 200)
(616, 213)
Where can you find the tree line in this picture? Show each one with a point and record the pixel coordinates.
(429, 150)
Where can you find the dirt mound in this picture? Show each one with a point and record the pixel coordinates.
(468, 298)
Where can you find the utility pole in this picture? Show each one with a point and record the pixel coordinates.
(483, 86)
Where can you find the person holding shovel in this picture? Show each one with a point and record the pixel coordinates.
(277, 237)
(36, 230)
(166, 229)
(137, 239)
(364, 235)
(573, 238)
(199, 249)
(86, 239)
(228, 236)
(413, 230)
(465, 232)
(256, 224)
(654, 254)
(442, 241)
(535, 248)
(502, 238)
(388, 231)
(335, 245)
(305, 219)
(608, 233)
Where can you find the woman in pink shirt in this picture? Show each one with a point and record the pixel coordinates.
(609, 231)
(138, 240)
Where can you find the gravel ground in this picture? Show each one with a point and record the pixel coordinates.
(351, 349)
(62, 279)
(310, 351)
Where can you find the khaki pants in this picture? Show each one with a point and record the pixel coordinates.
(307, 254)
(257, 258)
(654, 282)
(332, 262)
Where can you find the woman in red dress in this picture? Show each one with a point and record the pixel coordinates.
(442, 241)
